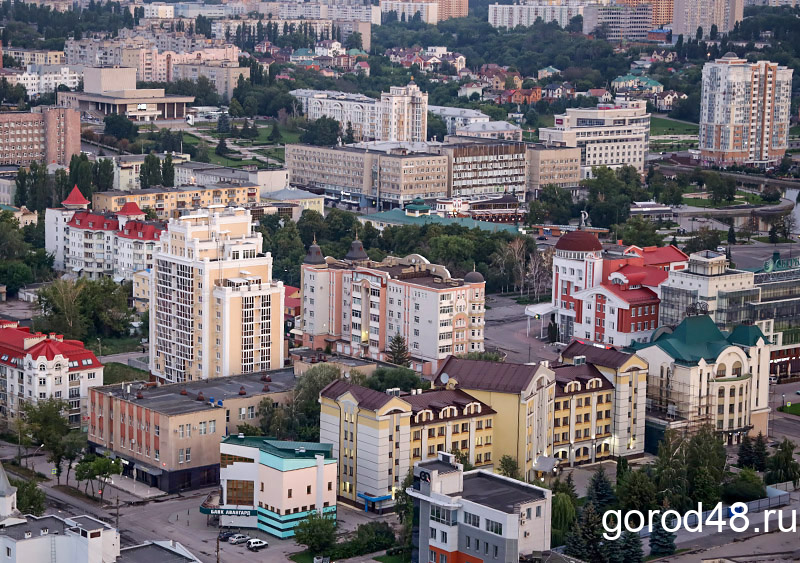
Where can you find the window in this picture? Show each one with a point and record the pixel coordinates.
(180, 455)
(156, 429)
(494, 527)
(239, 492)
(431, 556)
(289, 494)
(308, 489)
(202, 428)
(472, 519)
(442, 556)
(156, 454)
(251, 411)
(433, 533)
(188, 455)
(212, 426)
(443, 536)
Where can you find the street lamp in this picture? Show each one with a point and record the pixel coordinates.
(99, 346)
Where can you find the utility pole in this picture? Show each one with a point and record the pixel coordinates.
(117, 519)
(217, 548)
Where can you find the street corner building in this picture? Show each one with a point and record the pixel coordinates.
(273, 485)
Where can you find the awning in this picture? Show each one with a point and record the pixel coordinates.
(540, 309)
(545, 464)
(118, 279)
(365, 496)
(296, 332)
(77, 268)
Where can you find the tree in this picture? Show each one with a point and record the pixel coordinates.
(317, 532)
(781, 466)
(354, 41)
(224, 124)
(322, 132)
(349, 136)
(662, 542)
(670, 471)
(509, 467)
(623, 470)
(398, 351)
(632, 547)
(30, 497)
(150, 172)
(563, 518)
(168, 172)
(705, 465)
(403, 378)
(731, 235)
(15, 275)
(746, 452)
(575, 545)
(73, 445)
(745, 487)
(567, 487)
(463, 459)
(704, 239)
(103, 468)
(249, 430)
(641, 232)
(600, 492)
(119, 126)
(275, 136)
(235, 110)
(222, 148)
(760, 453)
(437, 128)
(591, 530)
(672, 194)
(404, 508)
(104, 174)
(637, 492)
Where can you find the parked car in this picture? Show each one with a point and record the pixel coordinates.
(541, 238)
(238, 538)
(225, 534)
(256, 544)
(720, 249)
(797, 392)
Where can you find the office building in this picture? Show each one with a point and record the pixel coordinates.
(612, 134)
(169, 435)
(356, 306)
(378, 436)
(406, 10)
(744, 112)
(619, 22)
(368, 177)
(689, 15)
(476, 515)
(526, 13)
(36, 366)
(223, 75)
(455, 118)
(551, 165)
(158, 10)
(662, 10)
(483, 166)
(278, 483)
(215, 309)
(51, 135)
(173, 202)
(698, 375)
(400, 115)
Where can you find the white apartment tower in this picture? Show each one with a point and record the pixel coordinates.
(612, 134)
(689, 15)
(215, 309)
(400, 115)
(745, 111)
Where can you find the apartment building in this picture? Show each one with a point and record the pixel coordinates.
(662, 10)
(51, 135)
(522, 398)
(79, 539)
(400, 115)
(551, 165)
(502, 130)
(95, 52)
(215, 309)
(45, 79)
(612, 134)
(223, 75)
(36, 366)
(453, 9)
(526, 13)
(158, 65)
(698, 375)
(619, 22)
(158, 10)
(744, 112)
(141, 290)
(476, 515)
(173, 202)
(479, 166)
(689, 15)
(368, 177)
(378, 436)
(599, 404)
(278, 483)
(350, 11)
(35, 56)
(357, 306)
(56, 229)
(226, 27)
(605, 297)
(169, 435)
(407, 10)
(455, 118)
(128, 168)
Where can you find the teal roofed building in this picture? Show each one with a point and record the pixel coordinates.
(636, 83)
(699, 374)
(273, 485)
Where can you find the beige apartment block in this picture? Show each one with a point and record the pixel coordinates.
(689, 15)
(223, 75)
(51, 136)
(35, 56)
(559, 166)
(215, 310)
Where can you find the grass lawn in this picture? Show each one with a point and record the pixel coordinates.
(264, 130)
(190, 139)
(393, 558)
(793, 409)
(115, 372)
(546, 120)
(665, 126)
(794, 131)
(108, 346)
(780, 240)
(232, 163)
(22, 472)
(278, 154)
(302, 557)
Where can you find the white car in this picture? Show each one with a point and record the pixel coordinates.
(256, 544)
(238, 538)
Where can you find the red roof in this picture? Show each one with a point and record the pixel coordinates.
(663, 255)
(579, 241)
(639, 295)
(292, 303)
(13, 346)
(93, 221)
(75, 198)
(643, 275)
(140, 230)
(130, 208)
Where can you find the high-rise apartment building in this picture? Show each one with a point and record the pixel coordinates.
(745, 111)
(526, 13)
(662, 10)
(612, 134)
(50, 136)
(406, 10)
(453, 9)
(400, 115)
(620, 23)
(690, 15)
(357, 306)
(215, 309)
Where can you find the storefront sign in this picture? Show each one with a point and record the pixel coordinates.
(773, 265)
(227, 511)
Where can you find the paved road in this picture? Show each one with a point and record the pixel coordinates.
(123, 357)
(506, 329)
(754, 255)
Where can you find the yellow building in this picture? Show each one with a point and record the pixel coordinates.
(141, 290)
(522, 397)
(377, 436)
(174, 202)
(215, 310)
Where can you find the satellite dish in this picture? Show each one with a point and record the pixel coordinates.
(347, 375)
(444, 378)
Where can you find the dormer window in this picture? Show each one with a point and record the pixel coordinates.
(91, 224)
(77, 221)
(140, 234)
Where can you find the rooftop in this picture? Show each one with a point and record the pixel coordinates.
(367, 398)
(438, 465)
(502, 377)
(288, 194)
(150, 552)
(606, 357)
(168, 400)
(497, 492)
(283, 449)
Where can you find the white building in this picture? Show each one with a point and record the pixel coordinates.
(613, 135)
(44, 79)
(745, 111)
(526, 13)
(400, 115)
(328, 48)
(36, 366)
(128, 168)
(56, 220)
(407, 9)
(159, 10)
(689, 15)
(456, 118)
(620, 22)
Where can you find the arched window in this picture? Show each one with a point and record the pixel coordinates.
(737, 368)
(732, 392)
(721, 370)
(721, 393)
(42, 367)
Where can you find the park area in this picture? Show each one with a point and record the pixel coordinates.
(664, 126)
